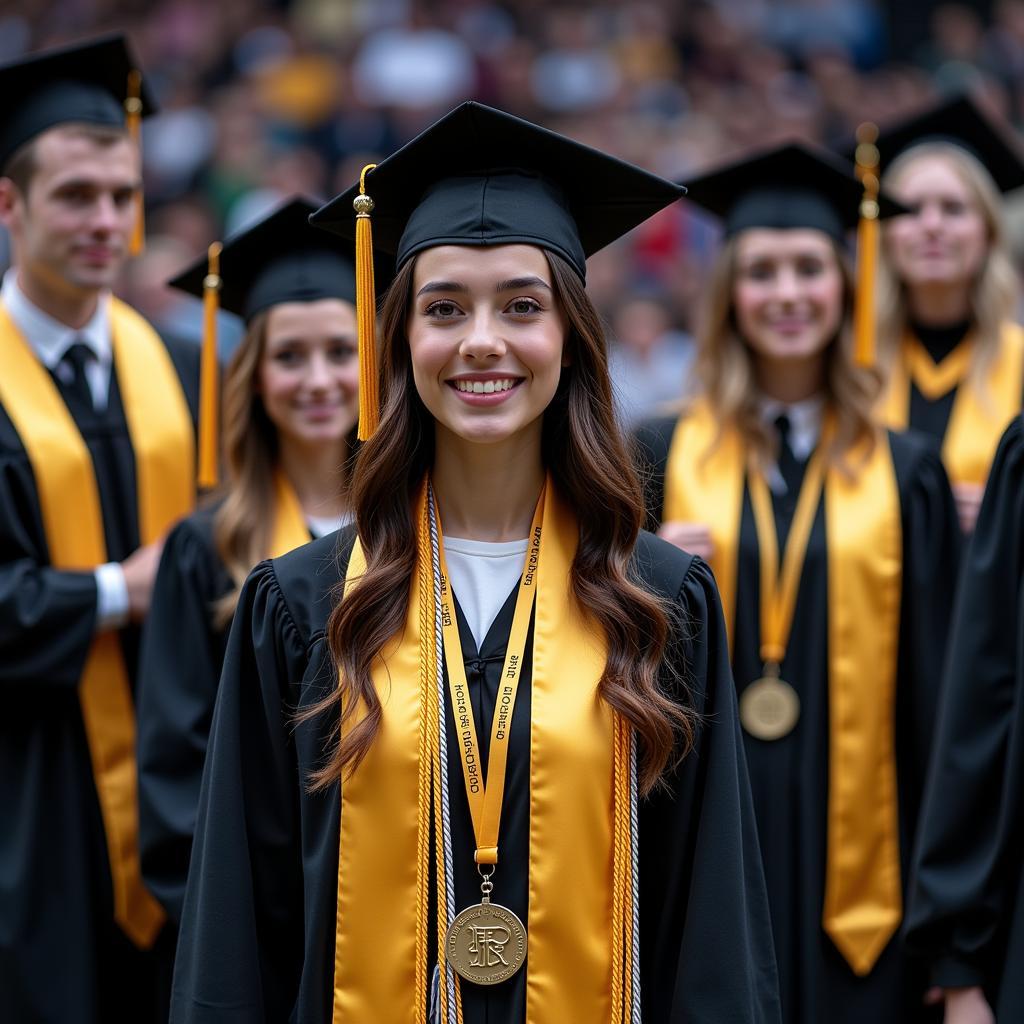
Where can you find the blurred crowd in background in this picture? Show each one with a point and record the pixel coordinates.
(262, 99)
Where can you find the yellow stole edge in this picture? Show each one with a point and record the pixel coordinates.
(161, 433)
(290, 528)
(863, 900)
(570, 902)
(975, 423)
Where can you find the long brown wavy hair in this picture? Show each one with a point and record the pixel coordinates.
(724, 370)
(242, 527)
(996, 289)
(584, 452)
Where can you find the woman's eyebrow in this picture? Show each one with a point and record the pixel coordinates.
(441, 286)
(522, 282)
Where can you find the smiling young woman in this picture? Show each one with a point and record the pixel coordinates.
(834, 545)
(515, 790)
(948, 289)
(290, 402)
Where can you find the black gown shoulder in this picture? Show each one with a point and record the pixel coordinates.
(965, 913)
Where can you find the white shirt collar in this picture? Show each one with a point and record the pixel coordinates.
(49, 338)
(804, 421)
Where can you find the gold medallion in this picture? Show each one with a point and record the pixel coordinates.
(486, 943)
(769, 708)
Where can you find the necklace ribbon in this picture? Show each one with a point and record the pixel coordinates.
(485, 800)
(778, 591)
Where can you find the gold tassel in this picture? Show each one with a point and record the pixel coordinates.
(867, 247)
(209, 373)
(133, 121)
(366, 313)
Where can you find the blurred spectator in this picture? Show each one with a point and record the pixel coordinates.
(262, 98)
(649, 359)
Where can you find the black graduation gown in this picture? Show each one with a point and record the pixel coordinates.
(179, 668)
(789, 777)
(966, 914)
(62, 958)
(931, 415)
(257, 939)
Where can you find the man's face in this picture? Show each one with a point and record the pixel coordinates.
(71, 228)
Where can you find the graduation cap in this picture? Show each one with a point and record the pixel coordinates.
(279, 259)
(794, 186)
(480, 176)
(93, 83)
(960, 121)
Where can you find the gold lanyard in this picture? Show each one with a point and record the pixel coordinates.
(933, 379)
(778, 591)
(485, 802)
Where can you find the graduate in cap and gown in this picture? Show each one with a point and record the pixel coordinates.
(966, 915)
(948, 289)
(288, 428)
(500, 779)
(97, 461)
(834, 545)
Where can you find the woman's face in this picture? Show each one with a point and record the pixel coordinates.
(787, 292)
(309, 371)
(944, 240)
(486, 338)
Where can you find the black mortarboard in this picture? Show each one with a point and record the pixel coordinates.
(792, 186)
(89, 82)
(479, 176)
(280, 259)
(961, 122)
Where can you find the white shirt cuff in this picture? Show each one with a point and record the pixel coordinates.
(112, 590)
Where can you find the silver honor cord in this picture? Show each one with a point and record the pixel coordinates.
(448, 982)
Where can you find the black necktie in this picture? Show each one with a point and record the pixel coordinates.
(790, 467)
(77, 357)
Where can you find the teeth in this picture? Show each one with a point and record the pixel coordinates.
(484, 387)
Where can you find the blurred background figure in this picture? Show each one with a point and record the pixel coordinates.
(261, 99)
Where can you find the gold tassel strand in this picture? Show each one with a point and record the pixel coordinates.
(209, 373)
(366, 313)
(867, 246)
(620, 858)
(133, 122)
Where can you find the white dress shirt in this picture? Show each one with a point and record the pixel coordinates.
(804, 430)
(483, 574)
(50, 339)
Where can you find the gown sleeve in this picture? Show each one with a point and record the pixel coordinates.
(47, 616)
(179, 668)
(964, 867)
(240, 950)
(931, 560)
(710, 956)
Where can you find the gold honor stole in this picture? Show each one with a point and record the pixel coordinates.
(161, 433)
(569, 950)
(704, 482)
(290, 528)
(977, 421)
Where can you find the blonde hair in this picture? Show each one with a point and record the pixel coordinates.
(993, 296)
(243, 524)
(724, 371)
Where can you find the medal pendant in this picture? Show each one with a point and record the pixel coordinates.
(486, 943)
(769, 707)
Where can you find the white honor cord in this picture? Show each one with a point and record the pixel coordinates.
(446, 821)
(634, 845)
